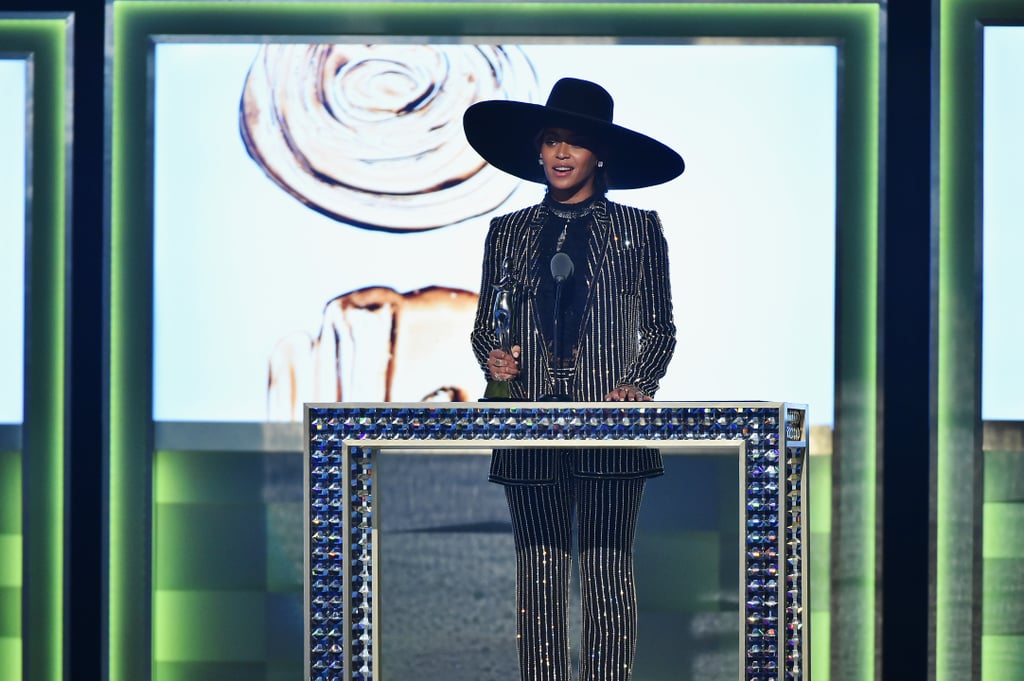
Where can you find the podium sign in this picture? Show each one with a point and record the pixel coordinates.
(343, 442)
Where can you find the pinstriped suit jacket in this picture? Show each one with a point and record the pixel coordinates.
(627, 332)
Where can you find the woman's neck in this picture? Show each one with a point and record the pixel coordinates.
(571, 196)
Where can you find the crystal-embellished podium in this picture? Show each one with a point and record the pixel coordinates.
(344, 442)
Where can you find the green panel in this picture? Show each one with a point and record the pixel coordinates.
(280, 643)
(207, 477)
(957, 388)
(852, 651)
(10, 494)
(11, 560)
(820, 595)
(821, 642)
(209, 671)
(10, 540)
(10, 613)
(1003, 530)
(10, 565)
(1003, 577)
(10, 631)
(820, 482)
(225, 521)
(1002, 657)
(285, 547)
(218, 529)
(209, 626)
(209, 547)
(1004, 476)
(1003, 596)
(483, 19)
(820, 525)
(10, 657)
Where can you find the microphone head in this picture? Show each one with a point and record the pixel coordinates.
(561, 267)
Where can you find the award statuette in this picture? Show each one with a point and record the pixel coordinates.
(502, 315)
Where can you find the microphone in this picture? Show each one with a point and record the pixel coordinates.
(561, 269)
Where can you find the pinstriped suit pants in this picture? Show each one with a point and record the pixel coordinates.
(606, 511)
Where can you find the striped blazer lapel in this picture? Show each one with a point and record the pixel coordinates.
(535, 270)
(597, 252)
(533, 264)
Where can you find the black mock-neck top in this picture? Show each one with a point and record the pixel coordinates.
(568, 228)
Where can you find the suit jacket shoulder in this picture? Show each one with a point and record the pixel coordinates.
(516, 217)
(630, 215)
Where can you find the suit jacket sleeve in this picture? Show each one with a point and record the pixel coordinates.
(482, 337)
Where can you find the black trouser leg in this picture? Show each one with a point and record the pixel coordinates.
(542, 527)
(542, 520)
(607, 512)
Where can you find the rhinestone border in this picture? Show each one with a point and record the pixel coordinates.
(340, 520)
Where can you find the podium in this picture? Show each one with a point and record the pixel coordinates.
(344, 441)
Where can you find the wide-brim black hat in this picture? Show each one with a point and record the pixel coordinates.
(505, 134)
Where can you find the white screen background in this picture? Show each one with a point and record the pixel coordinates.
(13, 76)
(751, 225)
(1002, 336)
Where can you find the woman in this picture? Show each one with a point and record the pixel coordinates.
(615, 337)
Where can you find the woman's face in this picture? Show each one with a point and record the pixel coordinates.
(568, 165)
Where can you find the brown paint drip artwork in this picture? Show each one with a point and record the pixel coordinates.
(378, 345)
(371, 135)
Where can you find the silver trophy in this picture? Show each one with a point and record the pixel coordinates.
(504, 299)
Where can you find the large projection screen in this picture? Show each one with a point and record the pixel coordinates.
(255, 276)
(1002, 334)
(13, 107)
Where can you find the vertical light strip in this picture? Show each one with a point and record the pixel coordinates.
(956, 382)
(45, 416)
(45, 42)
(854, 470)
(128, 275)
(958, 390)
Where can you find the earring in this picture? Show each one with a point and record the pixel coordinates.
(540, 160)
(600, 164)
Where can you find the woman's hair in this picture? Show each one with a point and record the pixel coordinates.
(587, 142)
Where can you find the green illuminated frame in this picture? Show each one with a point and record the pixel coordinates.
(36, 473)
(961, 648)
(137, 24)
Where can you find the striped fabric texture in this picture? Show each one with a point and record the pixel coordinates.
(627, 332)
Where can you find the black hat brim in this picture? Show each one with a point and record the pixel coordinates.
(504, 134)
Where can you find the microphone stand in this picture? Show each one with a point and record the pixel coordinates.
(556, 349)
(561, 269)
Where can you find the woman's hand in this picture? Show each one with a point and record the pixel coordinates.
(627, 393)
(503, 366)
